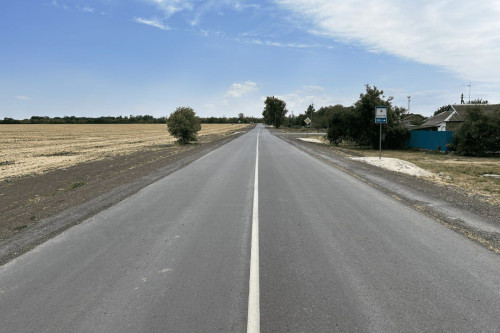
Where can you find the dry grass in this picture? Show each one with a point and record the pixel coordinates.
(35, 149)
(462, 171)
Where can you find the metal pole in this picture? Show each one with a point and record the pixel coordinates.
(380, 143)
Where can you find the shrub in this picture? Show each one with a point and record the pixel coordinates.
(479, 134)
(184, 125)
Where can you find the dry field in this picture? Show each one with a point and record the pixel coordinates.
(35, 149)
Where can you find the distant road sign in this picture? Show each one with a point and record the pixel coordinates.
(307, 121)
(381, 115)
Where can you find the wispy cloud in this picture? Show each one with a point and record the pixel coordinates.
(293, 45)
(23, 98)
(170, 7)
(154, 22)
(240, 89)
(86, 9)
(198, 9)
(459, 36)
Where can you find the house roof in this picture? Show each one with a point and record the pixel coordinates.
(456, 113)
(435, 120)
(411, 121)
(460, 110)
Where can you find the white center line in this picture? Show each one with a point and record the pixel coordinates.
(253, 321)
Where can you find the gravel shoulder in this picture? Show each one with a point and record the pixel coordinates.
(456, 208)
(36, 208)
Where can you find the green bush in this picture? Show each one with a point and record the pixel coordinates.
(479, 134)
(184, 125)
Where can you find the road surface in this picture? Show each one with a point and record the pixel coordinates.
(330, 254)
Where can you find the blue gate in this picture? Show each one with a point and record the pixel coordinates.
(432, 140)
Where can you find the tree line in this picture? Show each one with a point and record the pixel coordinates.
(140, 119)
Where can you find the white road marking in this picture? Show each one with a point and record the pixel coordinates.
(253, 321)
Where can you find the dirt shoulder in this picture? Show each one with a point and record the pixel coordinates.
(36, 208)
(457, 208)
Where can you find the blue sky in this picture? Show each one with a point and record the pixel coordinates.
(130, 57)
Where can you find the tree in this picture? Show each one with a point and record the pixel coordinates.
(478, 101)
(309, 113)
(338, 125)
(274, 111)
(479, 134)
(183, 124)
(364, 130)
(241, 118)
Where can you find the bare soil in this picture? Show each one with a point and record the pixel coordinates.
(26, 201)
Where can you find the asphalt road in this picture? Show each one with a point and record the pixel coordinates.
(335, 255)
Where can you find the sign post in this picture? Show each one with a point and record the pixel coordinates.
(307, 121)
(380, 118)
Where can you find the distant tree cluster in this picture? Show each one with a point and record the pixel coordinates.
(478, 101)
(231, 120)
(146, 119)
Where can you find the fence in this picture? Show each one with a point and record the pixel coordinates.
(432, 140)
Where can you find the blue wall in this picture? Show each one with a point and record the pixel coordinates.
(429, 140)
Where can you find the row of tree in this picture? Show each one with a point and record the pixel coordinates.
(140, 119)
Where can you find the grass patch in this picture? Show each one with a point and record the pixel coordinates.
(2, 163)
(76, 185)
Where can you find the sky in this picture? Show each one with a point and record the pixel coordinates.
(134, 57)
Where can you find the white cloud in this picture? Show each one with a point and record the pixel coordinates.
(154, 22)
(23, 98)
(460, 36)
(240, 89)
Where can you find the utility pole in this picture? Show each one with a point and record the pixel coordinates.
(409, 99)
